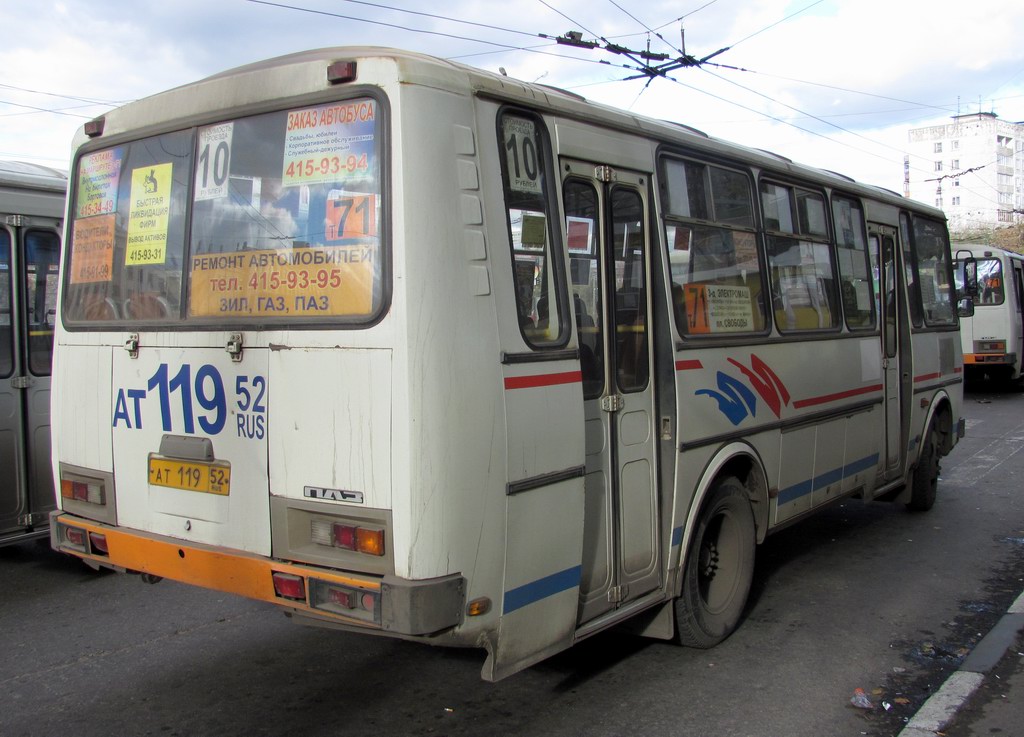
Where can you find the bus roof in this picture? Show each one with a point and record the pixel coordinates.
(291, 73)
(32, 176)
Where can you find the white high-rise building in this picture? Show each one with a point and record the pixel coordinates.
(972, 168)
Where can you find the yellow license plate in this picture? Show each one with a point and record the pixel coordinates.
(210, 478)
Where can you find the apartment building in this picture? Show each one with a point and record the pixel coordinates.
(972, 168)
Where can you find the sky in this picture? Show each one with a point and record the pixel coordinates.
(835, 84)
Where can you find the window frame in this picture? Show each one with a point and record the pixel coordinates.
(873, 326)
(554, 250)
(26, 290)
(670, 219)
(827, 240)
(183, 322)
(918, 314)
(8, 349)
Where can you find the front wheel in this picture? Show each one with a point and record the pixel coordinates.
(719, 568)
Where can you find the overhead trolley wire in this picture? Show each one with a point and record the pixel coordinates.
(501, 46)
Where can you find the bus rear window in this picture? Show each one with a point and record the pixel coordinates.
(264, 217)
(128, 231)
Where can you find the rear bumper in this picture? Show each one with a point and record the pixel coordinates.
(407, 608)
(988, 359)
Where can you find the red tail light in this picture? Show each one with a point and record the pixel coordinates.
(345, 536)
(98, 543)
(75, 536)
(289, 586)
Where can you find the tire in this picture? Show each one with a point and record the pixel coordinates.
(719, 568)
(925, 483)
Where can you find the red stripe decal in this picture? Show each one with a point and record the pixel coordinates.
(688, 365)
(529, 382)
(926, 377)
(838, 395)
(958, 370)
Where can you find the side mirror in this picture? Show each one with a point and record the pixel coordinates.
(965, 307)
(970, 267)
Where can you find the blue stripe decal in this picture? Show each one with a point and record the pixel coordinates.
(794, 492)
(542, 588)
(862, 465)
(790, 493)
(677, 536)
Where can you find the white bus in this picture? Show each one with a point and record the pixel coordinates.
(992, 339)
(31, 221)
(395, 344)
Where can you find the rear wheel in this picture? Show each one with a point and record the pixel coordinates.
(719, 568)
(925, 483)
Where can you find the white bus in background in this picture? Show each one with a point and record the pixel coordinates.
(405, 347)
(31, 221)
(993, 337)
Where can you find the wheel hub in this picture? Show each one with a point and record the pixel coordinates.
(709, 558)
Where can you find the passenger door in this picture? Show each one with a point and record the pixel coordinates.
(608, 244)
(883, 251)
(1017, 316)
(12, 468)
(41, 259)
(29, 264)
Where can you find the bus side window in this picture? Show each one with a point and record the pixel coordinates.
(539, 287)
(6, 327)
(42, 256)
(854, 268)
(931, 266)
(716, 269)
(804, 294)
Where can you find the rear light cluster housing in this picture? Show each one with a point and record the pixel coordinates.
(88, 493)
(368, 540)
(329, 596)
(84, 541)
(990, 346)
(91, 492)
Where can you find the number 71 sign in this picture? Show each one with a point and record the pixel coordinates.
(351, 216)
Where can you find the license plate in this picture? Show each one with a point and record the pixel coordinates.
(209, 478)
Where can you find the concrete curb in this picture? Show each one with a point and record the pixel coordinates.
(942, 706)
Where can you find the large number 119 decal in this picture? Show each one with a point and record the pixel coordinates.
(212, 401)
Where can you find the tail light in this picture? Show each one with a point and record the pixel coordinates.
(347, 536)
(289, 586)
(98, 543)
(348, 601)
(82, 491)
(87, 541)
(990, 346)
(75, 536)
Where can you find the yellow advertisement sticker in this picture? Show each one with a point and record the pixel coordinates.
(92, 249)
(148, 215)
(330, 143)
(327, 281)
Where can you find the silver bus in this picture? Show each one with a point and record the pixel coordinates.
(31, 219)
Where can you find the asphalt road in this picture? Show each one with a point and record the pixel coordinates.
(864, 596)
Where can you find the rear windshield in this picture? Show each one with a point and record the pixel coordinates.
(263, 218)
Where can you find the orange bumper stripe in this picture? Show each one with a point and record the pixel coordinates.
(230, 571)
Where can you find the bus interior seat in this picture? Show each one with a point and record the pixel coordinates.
(147, 306)
(100, 309)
